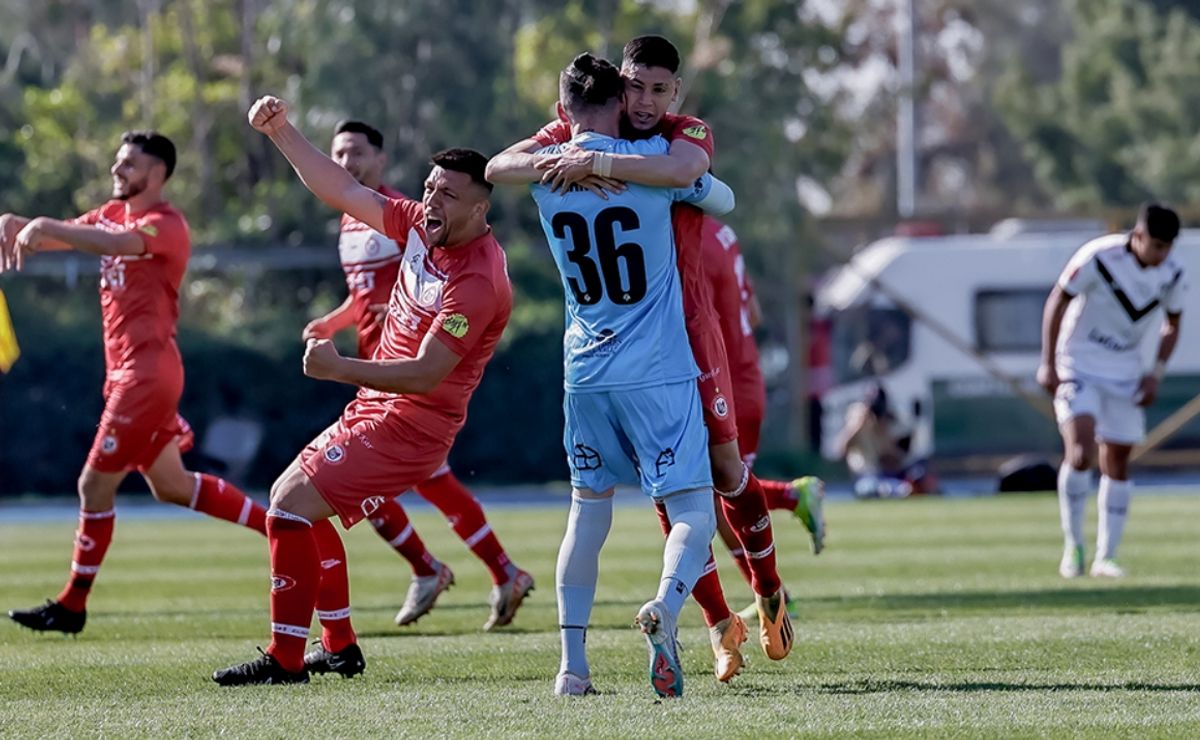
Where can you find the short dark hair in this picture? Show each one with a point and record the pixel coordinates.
(1159, 222)
(589, 81)
(154, 144)
(651, 51)
(467, 161)
(374, 138)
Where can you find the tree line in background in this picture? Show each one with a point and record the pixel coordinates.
(1078, 107)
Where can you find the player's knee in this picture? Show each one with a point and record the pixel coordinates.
(95, 493)
(289, 493)
(727, 473)
(279, 492)
(87, 489)
(1081, 456)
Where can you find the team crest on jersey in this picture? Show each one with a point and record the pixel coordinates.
(371, 505)
(720, 407)
(456, 325)
(696, 132)
(335, 454)
(109, 444)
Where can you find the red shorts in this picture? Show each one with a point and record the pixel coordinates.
(140, 419)
(716, 389)
(367, 457)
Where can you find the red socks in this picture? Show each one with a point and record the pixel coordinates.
(707, 592)
(221, 499)
(91, 542)
(295, 579)
(751, 522)
(333, 596)
(779, 495)
(392, 524)
(466, 518)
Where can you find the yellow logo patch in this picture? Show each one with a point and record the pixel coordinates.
(696, 132)
(148, 230)
(456, 325)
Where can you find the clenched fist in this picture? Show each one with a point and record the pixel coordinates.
(268, 114)
(321, 360)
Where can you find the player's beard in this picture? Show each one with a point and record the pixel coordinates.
(131, 190)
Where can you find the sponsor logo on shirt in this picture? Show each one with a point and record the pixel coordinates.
(1107, 342)
(696, 132)
(604, 344)
(456, 325)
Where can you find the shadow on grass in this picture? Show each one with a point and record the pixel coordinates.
(1120, 598)
(881, 687)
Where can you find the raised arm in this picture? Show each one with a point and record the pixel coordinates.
(515, 165)
(327, 180)
(679, 168)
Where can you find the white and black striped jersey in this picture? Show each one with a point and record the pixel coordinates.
(1115, 302)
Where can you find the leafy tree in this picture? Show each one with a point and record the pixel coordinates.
(1119, 125)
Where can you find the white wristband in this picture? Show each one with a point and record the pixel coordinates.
(1160, 369)
(602, 164)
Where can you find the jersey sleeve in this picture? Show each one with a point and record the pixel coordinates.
(1080, 274)
(693, 131)
(708, 194)
(557, 131)
(468, 307)
(87, 219)
(162, 233)
(1174, 298)
(399, 216)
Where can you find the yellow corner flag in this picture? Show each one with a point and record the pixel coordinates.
(9, 351)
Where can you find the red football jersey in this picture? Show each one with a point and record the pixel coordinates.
(725, 271)
(671, 127)
(139, 294)
(371, 262)
(462, 296)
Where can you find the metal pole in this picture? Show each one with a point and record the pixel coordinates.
(906, 110)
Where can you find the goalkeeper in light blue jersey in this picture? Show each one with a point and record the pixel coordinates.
(633, 412)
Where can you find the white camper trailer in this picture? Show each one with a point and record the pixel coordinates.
(988, 290)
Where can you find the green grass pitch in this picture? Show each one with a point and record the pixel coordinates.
(923, 618)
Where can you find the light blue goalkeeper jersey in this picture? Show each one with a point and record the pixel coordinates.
(624, 318)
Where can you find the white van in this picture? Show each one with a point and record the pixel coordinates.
(988, 290)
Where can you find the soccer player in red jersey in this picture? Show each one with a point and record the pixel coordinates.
(371, 262)
(739, 313)
(650, 64)
(143, 245)
(446, 313)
